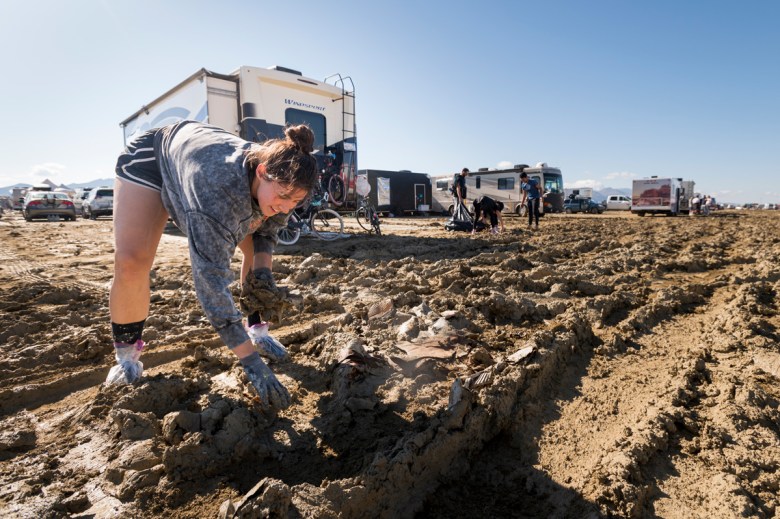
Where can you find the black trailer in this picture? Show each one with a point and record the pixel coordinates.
(399, 192)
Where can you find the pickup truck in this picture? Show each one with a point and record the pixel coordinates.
(618, 203)
(582, 205)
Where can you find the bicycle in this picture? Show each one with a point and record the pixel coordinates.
(316, 218)
(331, 181)
(367, 216)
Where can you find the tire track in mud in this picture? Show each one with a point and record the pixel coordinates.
(60, 386)
(575, 455)
(26, 271)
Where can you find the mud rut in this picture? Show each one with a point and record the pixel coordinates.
(606, 366)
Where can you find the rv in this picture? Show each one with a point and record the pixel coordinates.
(502, 185)
(256, 104)
(578, 192)
(669, 196)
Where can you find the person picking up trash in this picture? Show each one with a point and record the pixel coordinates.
(487, 207)
(222, 192)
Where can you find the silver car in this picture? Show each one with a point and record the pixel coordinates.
(99, 202)
(46, 204)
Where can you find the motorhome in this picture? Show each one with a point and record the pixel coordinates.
(654, 195)
(502, 185)
(578, 192)
(257, 103)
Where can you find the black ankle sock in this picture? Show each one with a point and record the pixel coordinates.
(253, 319)
(127, 333)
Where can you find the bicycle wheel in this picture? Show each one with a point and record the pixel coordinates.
(362, 218)
(336, 190)
(327, 224)
(291, 232)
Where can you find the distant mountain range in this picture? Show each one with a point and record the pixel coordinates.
(92, 183)
(602, 194)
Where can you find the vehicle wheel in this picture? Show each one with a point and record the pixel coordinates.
(594, 210)
(336, 190)
(327, 224)
(363, 220)
(451, 210)
(27, 218)
(641, 213)
(567, 210)
(291, 232)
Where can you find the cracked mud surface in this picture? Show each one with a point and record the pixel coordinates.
(606, 365)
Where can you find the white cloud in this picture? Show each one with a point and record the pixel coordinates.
(595, 184)
(50, 170)
(619, 174)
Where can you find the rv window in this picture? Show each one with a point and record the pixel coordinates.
(552, 184)
(506, 183)
(315, 121)
(479, 182)
(441, 185)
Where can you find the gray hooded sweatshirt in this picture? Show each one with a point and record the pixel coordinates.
(206, 191)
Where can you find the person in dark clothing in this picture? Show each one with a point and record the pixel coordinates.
(460, 185)
(487, 207)
(532, 194)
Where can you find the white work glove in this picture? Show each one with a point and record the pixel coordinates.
(128, 368)
(265, 344)
(271, 392)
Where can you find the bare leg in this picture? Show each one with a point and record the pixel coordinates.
(139, 220)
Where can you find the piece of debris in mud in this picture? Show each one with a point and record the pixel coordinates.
(436, 347)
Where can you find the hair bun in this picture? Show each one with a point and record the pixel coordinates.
(301, 136)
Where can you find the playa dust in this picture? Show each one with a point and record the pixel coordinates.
(605, 365)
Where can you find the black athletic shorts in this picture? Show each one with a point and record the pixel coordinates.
(137, 164)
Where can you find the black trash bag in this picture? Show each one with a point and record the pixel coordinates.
(461, 220)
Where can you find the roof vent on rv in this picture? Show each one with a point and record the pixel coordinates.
(285, 69)
(521, 167)
(541, 164)
(482, 169)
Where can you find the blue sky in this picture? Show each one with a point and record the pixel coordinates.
(606, 90)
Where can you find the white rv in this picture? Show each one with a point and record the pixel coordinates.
(670, 196)
(256, 104)
(578, 192)
(502, 185)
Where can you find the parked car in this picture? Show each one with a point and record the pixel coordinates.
(81, 195)
(99, 202)
(43, 204)
(618, 203)
(582, 205)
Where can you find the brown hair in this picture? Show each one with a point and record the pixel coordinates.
(289, 160)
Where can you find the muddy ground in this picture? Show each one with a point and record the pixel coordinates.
(605, 365)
